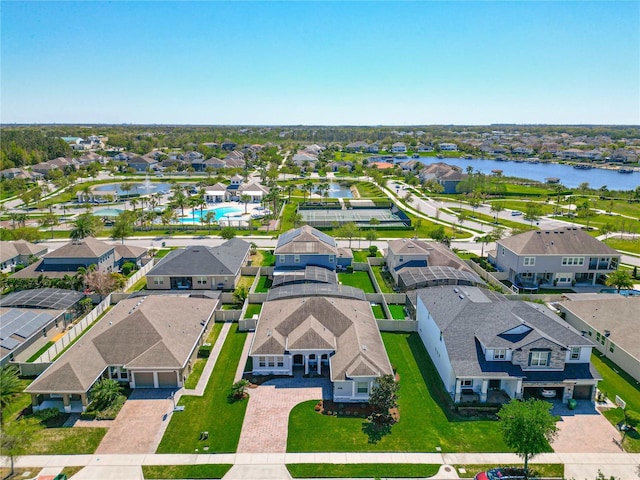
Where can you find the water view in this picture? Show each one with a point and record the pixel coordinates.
(220, 213)
(569, 176)
(338, 191)
(140, 188)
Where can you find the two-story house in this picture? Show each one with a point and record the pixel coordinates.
(490, 349)
(19, 252)
(448, 147)
(398, 147)
(416, 264)
(306, 246)
(563, 257)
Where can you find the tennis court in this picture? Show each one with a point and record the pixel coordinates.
(359, 216)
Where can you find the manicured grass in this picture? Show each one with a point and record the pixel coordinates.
(385, 281)
(378, 312)
(264, 284)
(362, 470)
(185, 471)
(369, 190)
(535, 469)
(397, 311)
(631, 440)
(615, 381)
(198, 365)
(71, 471)
(213, 412)
(360, 256)
(359, 280)
(139, 285)
(163, 252)
(490, 219)
(44, 348)
(264, 258)
(626, 245)
(66, 441)
(245, 281)
(252, 309)
(423, 406)
(231, 306)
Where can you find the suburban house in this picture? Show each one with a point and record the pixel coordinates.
(398, 147)
(490, 349)
(82, 253)
(563, 257)
(448, 176)
(19, 252)
(200, 268)
(226, 193)
(228, 145)
(611, 322)
(142, 164)
(31, 318)
(448, 147)
(417, 264)
(329, 331)
(306, 246)
(147, 342)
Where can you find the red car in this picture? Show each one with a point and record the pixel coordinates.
(502, 474)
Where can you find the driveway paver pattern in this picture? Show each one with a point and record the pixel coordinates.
(584, 430)
(266, 420)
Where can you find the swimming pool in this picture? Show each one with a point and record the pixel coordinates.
(219, 212)
(626, 293)
(107, 212)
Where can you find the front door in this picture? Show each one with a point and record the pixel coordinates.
(298, 360)
(494, 384)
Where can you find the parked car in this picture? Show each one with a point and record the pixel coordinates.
(502, 474)
(548, 392)
(516, 213)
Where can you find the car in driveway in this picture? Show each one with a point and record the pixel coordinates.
(548, 392)
(502, 474)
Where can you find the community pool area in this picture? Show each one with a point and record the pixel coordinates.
(626, 293)
(107, 212)
(220, 213)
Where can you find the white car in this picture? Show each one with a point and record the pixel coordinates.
(548, 393)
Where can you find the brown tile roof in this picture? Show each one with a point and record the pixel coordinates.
(158, 331)
(563, 241)
(341, 324)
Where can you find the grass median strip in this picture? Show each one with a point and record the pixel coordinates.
(546, 470)
(185, 471)
(362, 470)
(213, 412)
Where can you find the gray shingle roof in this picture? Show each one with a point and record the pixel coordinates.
(305, 240)
(201, 260)
(563, 241)
(88, 247)
(468, 315)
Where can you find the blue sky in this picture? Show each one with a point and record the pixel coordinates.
(329, 63)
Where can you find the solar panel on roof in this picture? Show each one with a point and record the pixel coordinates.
(33, 324)
(9, 343)
(315, 290)
(54, 298)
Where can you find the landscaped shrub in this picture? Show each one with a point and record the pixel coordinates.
(128, 267)
(349, 269)
(632, 418)
(204, 351)
(46, 414)
(112, 411)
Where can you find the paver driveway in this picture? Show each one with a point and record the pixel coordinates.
(266, 420)
(138, 426)
(584, 430)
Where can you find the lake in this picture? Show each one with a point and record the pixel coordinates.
(569, 177)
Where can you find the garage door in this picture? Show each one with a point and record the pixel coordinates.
(144, 379)
(582, 392)
(167, 379)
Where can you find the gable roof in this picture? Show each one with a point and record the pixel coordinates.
(345, 325)
(158, 331)
(225, 259)
(306, 240)
(25, 248)
(129, 251)
(470, 317)
(563, 241)
(88, 247)
(8, 251)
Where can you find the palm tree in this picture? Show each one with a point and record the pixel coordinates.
(10, 385)
(86, 225)
(244, 198)
(180, 200)
(105, 391)
(289, 189)
(209, 218)
(619, 279)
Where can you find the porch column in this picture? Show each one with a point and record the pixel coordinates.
(34, 402)
(178, 383)
(319, 366)
(155, 379)
(483, 391)
(518, 392)
(593, 282)
(306, 364)
(85, 401)
(457, 391)
(66, 401)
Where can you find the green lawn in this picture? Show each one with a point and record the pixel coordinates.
(385, 280)
(629, 245)
(67, 441)
(264, 284)
(185, 471)
(198, 365)
(423, 424)
(490, 219)
(617, 382)
(362, 470)
(397, 311)
(44, 348)
(212, 412)
(252, 309)
(359, 280)
(245, 281)
(360, 256)
(378, 312)
(536, 469)
(266, 258)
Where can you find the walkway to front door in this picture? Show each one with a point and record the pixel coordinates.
(266, 421)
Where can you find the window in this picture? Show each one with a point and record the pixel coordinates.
(332, 258)
(362, 387)
(280, 361)
(572, 260)
(597, 336)
(539, 359)
(612, 347)
(564, 277)
(262, 362)
(158, 281)
(575, 353)
(296, 259)
(502, 250)
(201, 280)
(529, 261)
(281, 258)
(466, 383)
(499, 354)
(44, 332)
(271, 362)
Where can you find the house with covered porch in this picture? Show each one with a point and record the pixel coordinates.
(323, 330)
(145, 342)
(489, 349)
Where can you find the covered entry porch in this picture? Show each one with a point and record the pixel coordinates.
(312, 362)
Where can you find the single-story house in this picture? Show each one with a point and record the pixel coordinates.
(19, 252)
(147, 342)
(199, 267)
(333, 333)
